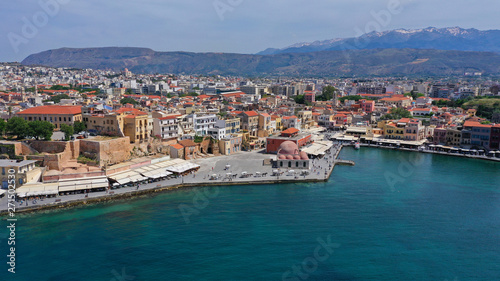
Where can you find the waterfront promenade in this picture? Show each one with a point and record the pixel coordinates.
(213, 171)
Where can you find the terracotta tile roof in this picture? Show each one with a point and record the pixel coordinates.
(131, 111)
(187, 143)
(53, 109)
(251, 113)
(177, 146)
(290, 131)
(170, 117)
(476, 124)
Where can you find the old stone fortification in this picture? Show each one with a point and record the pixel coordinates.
(53, 154)
(108, 151)
(57, 155)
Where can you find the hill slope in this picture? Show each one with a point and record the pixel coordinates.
(325, 63)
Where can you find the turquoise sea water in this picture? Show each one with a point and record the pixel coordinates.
(394, 216)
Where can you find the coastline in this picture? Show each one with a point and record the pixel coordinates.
(178, 183)
(479, 157)
(175, 184)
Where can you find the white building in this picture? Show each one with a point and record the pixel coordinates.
(217, 133)
(166, 127)
(201, 123)
(291, 122)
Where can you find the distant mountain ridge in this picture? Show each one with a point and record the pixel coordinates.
(370, 62)
(451, 38)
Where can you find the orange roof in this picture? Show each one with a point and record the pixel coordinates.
(290, 131)
(53, 109)
(170, 117)
(251, 113)
(177, 146)
(133, 111)
(476, 124)
(186, 143)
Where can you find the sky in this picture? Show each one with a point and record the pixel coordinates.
(231, 26)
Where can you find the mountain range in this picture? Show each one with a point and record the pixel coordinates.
(451, 38)
(434, 52)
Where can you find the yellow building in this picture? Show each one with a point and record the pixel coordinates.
(129, 122)
(104, 124)
(278, 121)
(392, 130)
(264, 125)
(306, 118)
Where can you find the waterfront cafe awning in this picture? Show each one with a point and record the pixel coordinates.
(155, 174)
(181, 168)
(127, 177)
(168, 163)
(345, 138)
(318, 148)
(83, 183)
(37, 189)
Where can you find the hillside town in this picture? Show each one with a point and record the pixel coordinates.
(71, 131)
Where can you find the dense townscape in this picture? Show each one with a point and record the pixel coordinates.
(71, 131)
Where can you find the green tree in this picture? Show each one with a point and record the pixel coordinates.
(58, 98)
(3, 126)
(193, 94)
(68, 131)
(59, 87)
(299, 99)
(17, 126)
(354, 98)
(397, 113)
(414, 95)
(79, 126)
(327, 93)
(40, 130)
(128, 100)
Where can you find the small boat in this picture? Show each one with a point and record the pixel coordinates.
(356, 145)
